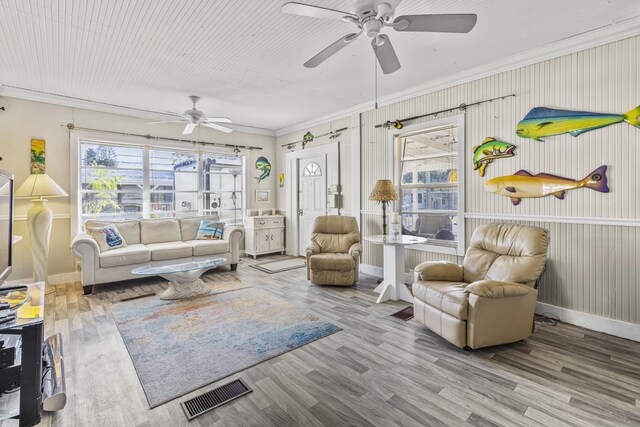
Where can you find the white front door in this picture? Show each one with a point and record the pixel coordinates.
(312, 196)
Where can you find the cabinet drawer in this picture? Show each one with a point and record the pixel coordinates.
(261, 223)
(276, 222)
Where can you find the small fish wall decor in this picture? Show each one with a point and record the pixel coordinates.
(541, 122)
(490, 150)
(263, 165)
(522, 185)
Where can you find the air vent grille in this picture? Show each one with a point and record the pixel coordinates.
(214, 398)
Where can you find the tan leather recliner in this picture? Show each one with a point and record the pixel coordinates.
(490, 299)
(333, 257)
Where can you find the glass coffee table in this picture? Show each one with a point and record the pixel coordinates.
(184, 277)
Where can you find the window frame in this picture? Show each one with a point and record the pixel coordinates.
(395, 170)
(77, 138)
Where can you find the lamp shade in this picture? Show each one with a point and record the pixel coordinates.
(40, 185)
(384, 191)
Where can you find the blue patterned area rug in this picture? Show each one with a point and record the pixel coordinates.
(179, 346)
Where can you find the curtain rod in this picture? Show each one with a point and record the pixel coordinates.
(331, 134)
(71, 126)
(398, 124)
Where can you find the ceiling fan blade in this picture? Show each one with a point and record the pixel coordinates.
(219, 119)
(454, 23)
(165, 121)
(331, 50)
(296, 8)
(217, 127)
(386, 54)
(188, 129)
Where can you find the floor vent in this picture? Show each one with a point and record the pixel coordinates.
(214, 398)
(404, 314)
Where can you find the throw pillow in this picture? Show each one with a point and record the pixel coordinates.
(210, 230)
(108, 237)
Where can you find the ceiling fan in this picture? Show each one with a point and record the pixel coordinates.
(370, 18)
(195, 117)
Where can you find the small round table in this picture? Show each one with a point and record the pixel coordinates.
(184, 278)
(392, 286)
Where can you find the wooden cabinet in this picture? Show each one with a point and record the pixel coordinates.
(263, 235)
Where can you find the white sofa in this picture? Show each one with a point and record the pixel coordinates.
(157, 241)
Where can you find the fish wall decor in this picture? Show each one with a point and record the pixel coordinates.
(542, 121)
(522, 184)
(490, 150)
(263, 165)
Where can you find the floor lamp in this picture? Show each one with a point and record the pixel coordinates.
(384, 192)
(39, 218)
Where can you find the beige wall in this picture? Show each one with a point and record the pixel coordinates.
(595, 240)
(24, 120)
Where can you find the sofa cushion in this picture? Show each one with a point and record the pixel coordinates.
(129, 255)
(332, 262)
(210, 230)
(160, 231)
(108, 237)
(129, 230)
(189, 226)
(208, 247)
(449, 297)
(169, 250)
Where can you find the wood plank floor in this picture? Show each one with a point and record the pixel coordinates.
(378, 371)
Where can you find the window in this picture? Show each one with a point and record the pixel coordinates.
(120, 182)
(430, 191)
(312, 169)
(173, 183)
(223, 184)
(111, 181)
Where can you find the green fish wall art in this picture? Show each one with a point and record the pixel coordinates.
(490, 150)
(542, 121)
(263, 165)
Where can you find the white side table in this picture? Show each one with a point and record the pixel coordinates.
(392, 286)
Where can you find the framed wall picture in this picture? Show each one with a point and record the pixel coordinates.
(263, 196)
(37, 156)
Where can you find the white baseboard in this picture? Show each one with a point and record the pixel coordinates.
(54, 279)
(614, 327)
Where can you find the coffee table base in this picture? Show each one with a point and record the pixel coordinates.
(184, 290)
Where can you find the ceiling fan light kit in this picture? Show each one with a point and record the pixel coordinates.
(194, 117)
(371, 18)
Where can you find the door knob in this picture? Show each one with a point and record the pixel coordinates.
(300, 212)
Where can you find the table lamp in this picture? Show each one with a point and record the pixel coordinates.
(39, 217)
(384, 192)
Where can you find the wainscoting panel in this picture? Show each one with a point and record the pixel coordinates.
(594, 253)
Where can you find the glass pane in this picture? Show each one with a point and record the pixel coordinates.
(186, 202)
(186, 181)
(110, 179)
(431, 226)
(222, 182)
(162, 181)
(110, 156)
(173, 160)
(433, 198)
(312, 169)
(162, 202)
(111, 202)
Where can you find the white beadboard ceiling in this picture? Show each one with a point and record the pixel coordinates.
(244, 57)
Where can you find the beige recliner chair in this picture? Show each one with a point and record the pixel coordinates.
(490, 299)
(333, 256)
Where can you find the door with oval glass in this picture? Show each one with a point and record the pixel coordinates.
(312, 196)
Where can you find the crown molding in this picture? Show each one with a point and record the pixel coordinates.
(86, 104)
(583, 41)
